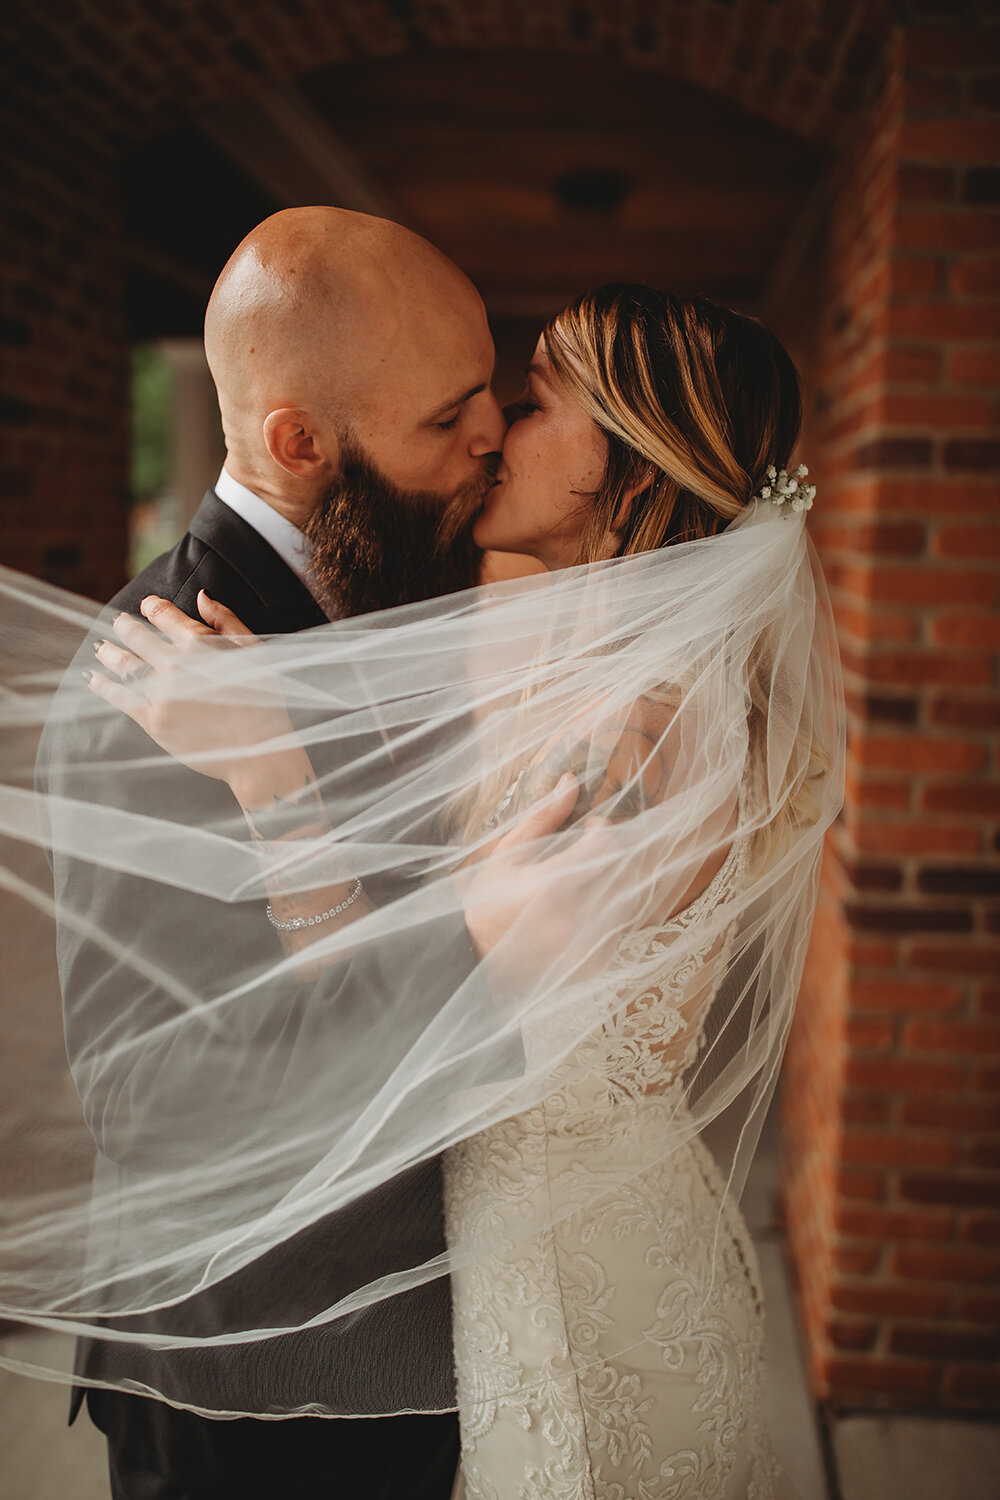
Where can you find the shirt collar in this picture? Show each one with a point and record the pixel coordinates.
(291, 545)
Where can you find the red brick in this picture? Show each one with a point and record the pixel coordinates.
(971, 960)
(905, 995)
(973, 1382)
(886, 1224)
(951, 1114)
(865, 954)
(865, 1109)
(944, 320)
(985, 1156)
(908, 364)
(944, 1343)
(967, 630)
(851, 1335)
(902, 1074)
(978, 1307)
(940, 757)
(914, 275)
(984, 91)
(967, 541)
(950, 140)
(989, 1002)
(931, 94)
(946, 1265)
(972, 1037)
(983, 1229)
(931, 587)
(866, 1187)
(895, 1150)
(975, 454)
(955, 1189)
(917, 183)
(965, 713)
(907, 1378)
(872, 1036)
(977, 798)
(916, 838)
(940, 497)
(931, 411)
(952, 48)
(877, 794)
(944, 229)
(977, 278)
(856, 1260)
(977, 367)
(891, 1301)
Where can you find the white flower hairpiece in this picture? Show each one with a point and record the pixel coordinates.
(783, 489)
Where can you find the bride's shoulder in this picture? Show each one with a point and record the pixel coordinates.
(619, 753)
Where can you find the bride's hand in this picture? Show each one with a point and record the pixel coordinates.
(512, 884)
(152, 670)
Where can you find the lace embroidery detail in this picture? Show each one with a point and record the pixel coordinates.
(611, 1357)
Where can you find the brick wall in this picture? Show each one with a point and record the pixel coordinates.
(893, 1099)
(890, 1096)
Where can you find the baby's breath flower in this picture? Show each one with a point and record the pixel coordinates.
(788, 493)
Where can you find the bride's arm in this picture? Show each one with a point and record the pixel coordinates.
(277, 790)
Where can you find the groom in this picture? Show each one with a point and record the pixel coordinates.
(353, 364)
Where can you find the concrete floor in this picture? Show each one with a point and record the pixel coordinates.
(916, 1458)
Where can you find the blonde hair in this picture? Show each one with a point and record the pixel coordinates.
(696, 402)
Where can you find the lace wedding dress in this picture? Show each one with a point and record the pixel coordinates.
(617, 1355)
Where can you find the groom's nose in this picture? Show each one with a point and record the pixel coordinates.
(490, 426)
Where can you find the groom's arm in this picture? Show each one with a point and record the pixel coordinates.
(137, 958)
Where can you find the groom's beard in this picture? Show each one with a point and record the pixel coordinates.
(375, 545)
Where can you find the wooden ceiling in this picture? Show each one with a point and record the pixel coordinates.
(539, 175)
(487, 155)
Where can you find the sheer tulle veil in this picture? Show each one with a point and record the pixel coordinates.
(196, 1104)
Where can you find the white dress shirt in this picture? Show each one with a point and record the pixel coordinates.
(286, 539)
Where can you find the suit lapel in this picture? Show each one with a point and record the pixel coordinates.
(281, 592)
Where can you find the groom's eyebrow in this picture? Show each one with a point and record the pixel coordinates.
(459, 401)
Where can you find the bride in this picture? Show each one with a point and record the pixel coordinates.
(620, 774)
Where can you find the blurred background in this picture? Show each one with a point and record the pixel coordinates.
(831, 166)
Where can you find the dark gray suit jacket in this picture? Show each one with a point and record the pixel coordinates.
(401, 1338)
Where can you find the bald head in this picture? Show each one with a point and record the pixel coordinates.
(344, 319)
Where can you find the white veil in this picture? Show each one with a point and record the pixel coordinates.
(240, 1166)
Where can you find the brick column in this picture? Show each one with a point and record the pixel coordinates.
(892, 1103)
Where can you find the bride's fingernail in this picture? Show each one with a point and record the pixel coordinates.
(97, 647)
(87, 677)
(565, 781)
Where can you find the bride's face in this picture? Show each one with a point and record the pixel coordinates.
(553, 460)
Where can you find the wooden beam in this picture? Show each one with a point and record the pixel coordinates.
(280, 143)
(188, 278)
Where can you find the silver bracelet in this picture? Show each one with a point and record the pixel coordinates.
(297, 923)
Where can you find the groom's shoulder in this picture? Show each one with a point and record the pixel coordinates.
(167, 575)
(194, 563)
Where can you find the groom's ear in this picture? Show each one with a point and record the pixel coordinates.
(293, 442)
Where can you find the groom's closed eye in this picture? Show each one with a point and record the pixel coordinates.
(448, 414)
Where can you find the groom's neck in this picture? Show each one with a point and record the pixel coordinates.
(293, 498)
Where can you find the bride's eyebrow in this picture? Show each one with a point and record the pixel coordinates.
(458, 401)
(537, 370)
